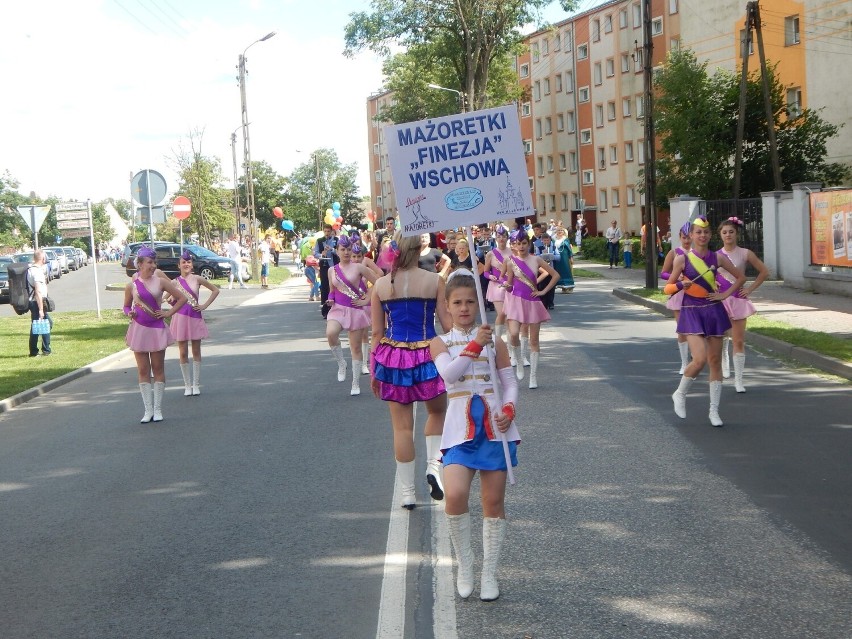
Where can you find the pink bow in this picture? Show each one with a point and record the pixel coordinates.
(736, 221)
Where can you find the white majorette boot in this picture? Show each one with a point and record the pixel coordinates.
(337, 351)
(739, 367)
(147, 399)
(196, 377)
(525, 348)
(187, 381)
(459, 526)
(679, 396)
(726, 362)
(405, 475)
(533, 369)
(513, 361)
(433, 467)
(159, 387)
(356, 377)
(519, 364)
(493, 532)
(715, 396)
(683, 347)
(365, 358)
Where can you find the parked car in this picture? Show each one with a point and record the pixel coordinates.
(63, 257)
(72, 257)
(4, 278)
(82, 257)
(53, 266)
(205, 262)
(27, 258)
(131, 247)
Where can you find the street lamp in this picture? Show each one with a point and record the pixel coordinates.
(247, 153)
(458, 93)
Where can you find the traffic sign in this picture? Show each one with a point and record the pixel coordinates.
(63, 207)
(72, 224)
(182, 207)
(148, 188)
(76, 233)
(34, 216)
(83, 216)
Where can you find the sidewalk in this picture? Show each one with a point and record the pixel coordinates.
(821, 312)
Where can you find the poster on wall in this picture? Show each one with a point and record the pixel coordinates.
(459, 170)
(831, 228)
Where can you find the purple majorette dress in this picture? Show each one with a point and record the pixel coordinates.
(676, 301)
(520, 305)
(351, 318)
(496, 292)
(698, 315)
(469, 436)
(187, 324)
(403, 363)
(147, 333)
(739, 308)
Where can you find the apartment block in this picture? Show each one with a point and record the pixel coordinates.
(382, 198)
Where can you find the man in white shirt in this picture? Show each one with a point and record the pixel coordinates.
(37, 284)
(233, 251)
(265, 249)
(613, 237)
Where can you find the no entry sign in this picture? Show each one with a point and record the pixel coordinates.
(181, 207)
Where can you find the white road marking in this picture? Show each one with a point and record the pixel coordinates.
(443, 587)
(392, 602)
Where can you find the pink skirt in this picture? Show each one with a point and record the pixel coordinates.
(143, 339)
(350, 318)
(185, 328)
(524, 311)
(675, 301)
(739, 308)
(495, 293)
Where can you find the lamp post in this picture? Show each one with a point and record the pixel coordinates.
(458, 93)
(236, 180)
(247, 153)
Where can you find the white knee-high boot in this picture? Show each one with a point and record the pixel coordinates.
(533, 369)
(679, 396)
(493, 532)
(515, 351)
(196, 377)
(365, 358)
(187, 380)
(337, 351)
(433, 467)
(159, 387)
(459, 526)
(148, 401)
(726, 362)
(683, 348)
(739, 368)
(405, 473)
(356, 377)
(513, 360)
(525, 348)
(499, 330)
(715, 397)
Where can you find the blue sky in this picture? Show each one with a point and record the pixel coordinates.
(98, 89)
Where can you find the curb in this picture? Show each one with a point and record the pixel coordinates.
(804, 356)
(21, 398)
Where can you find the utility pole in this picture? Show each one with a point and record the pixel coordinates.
(650, 217)
(752, 21)
(236, 183)
(319, 200)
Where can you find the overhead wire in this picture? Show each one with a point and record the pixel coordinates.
(126, 10)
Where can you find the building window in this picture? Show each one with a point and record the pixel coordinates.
(625, 62)
(637, 57)
(631, 195)
(657, 26)
(794, 101)
(375, 149)
(547, 86)
(583, 51)
(613, 154)
(538, 128)
(552, 198)
(569, 41)
(525, 70)
(564, 201)
(599, 120)
(563, 162)
(585, 136)
(572, 161)
(596, 30)
(541, 204)
(526, 109)
(610, 110)
(535, 52)
(640, 106)
(548, 125)
(557, 42)
(588, 177)
(560, 122)
(610, 67)
(557, 81)
(527, 147)
(641, 148)
(537, 90)
(622, 19)
(672, 6)
(569, 82)
(637, 16)
(532, 184)
(628, 151)
(598, 74)
(379, 201)
(545, 46)
(791, 30)
(674, 44)
(608, 24)
(584, 94)
(539, 163)
(602, 200)
(602, 158)
(572, 122)
(616, 198)
(625, 107)
(550, 164)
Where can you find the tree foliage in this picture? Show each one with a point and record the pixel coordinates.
(696, 119)
(466, 36)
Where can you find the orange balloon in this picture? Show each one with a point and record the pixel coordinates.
(277, 212)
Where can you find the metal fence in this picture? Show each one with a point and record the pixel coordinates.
(750, 211)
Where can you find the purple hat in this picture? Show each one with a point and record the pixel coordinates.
(344, 242)
(501, 230)
(356, 247)
(684, 230)
(187, 256)
(517, 236)
(146, 251)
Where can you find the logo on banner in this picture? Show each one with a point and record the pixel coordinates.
(414, 210)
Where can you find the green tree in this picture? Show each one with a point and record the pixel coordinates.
(14, 232)
(336, 184)
(269, 191)
(696, 119)
(468, 36)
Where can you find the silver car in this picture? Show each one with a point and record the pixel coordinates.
(54, 269)
(63, 258)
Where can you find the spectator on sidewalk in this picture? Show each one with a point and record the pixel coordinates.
(233, 251)
(37, 284)
(613, 237)
(627, 249)
(265, 249)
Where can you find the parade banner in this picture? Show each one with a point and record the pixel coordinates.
(831, 228)
(459, 170)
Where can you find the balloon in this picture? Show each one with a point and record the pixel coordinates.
(277, 212)
(369, 226)
(336, 226)
(336, 215)
(287, 225)
(371, 216)
(336, 206)
(329, 211)
(328, 219)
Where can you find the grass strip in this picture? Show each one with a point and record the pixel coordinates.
(583, 272)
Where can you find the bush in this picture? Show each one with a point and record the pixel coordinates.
(594, 249)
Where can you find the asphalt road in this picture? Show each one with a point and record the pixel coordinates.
(264, 507)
